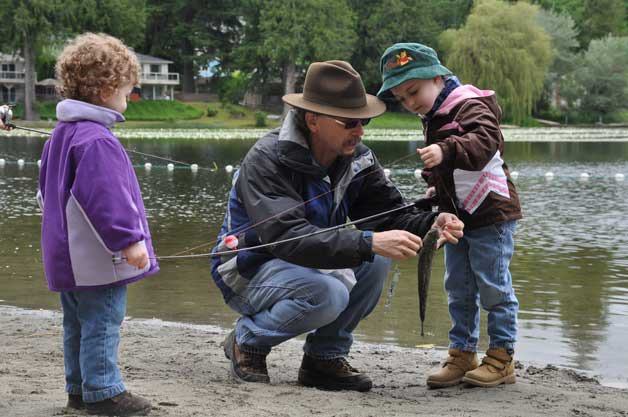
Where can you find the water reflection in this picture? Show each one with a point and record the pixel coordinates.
(570, 268)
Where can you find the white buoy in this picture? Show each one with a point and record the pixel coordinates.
(584, 176)
(20, 163)
(194, 167)
(514, 175)
(549, 175)
(170, 167)
(39, 163)
(387, 172)
(417, 174)
(229, 169)
(148, 166)
(2, 162)
(619, 177)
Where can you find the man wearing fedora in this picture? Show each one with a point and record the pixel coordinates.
(311, 174)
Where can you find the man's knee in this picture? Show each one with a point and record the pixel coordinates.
(374, 274)
(328, 301)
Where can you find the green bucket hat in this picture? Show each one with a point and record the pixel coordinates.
(406, 61)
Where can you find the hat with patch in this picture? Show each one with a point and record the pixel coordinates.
(407, 61)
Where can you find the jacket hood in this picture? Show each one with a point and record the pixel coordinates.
(466, 92)
(75, 110)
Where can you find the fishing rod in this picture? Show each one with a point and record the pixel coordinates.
(251, 226)
(421, 203)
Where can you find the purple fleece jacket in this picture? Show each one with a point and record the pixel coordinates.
(91, 202)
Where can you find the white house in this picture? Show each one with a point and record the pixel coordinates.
(11, 78)
(156, 83)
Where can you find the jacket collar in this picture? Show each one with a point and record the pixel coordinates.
(460, 94)
(75, 110)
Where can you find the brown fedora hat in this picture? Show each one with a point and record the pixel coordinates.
(334, 88)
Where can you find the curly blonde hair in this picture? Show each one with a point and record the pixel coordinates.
(95, 65)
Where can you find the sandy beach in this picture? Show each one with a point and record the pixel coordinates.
(183, 371)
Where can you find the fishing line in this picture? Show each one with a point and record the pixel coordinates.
(180, 255)
(214, 169)
(246, 228)
(317, 232)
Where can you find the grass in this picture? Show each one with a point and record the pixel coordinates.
(391, 120)
(163, 114)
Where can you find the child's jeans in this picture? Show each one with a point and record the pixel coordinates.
(91, 335)
(477, 273)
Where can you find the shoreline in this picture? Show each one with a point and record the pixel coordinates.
(182, 370)
(520, 134)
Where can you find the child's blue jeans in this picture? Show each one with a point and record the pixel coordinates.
(477, 273)
(91, 335)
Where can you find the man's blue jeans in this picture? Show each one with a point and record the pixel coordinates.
(91, 335)
(477, 273)
(284, 300)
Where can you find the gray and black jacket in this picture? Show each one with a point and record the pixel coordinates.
(283, 192)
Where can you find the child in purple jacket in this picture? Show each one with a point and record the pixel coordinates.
(95, 237)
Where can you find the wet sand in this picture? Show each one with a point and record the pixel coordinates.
(183, 371)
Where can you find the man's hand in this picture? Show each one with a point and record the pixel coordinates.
(430, 192)
(450, 228)
(136, 255)
(396, 244)
(431, 155)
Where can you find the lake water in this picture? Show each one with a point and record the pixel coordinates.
(570, 268)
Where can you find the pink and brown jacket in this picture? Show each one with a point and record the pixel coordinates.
(473, 174)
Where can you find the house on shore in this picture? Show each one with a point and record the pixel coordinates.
(156, 82)
(12, 76)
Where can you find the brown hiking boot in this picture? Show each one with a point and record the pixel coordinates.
(75, 402)
(454, 369)
(498, 367)
(245, 366)
(332, 375)
(125, 404)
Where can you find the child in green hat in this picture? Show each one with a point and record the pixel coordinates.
(465, 173)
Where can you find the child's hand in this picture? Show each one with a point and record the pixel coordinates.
(451, 228)
(431, 155)
(430, 192)
(136, 255)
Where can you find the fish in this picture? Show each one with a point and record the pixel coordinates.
(393, 284)
(424, 270)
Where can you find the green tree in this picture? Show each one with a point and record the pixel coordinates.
(501, 47)
(192, 33)
(30, 25)
(295, 33)
(563, 35)
(602, 18)
(385, 22)
(25, 25)
(603, 76)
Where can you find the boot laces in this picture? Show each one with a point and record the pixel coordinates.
(255, 361)
(342, 363)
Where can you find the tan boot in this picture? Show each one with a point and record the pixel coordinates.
(498, 367)
(454, 369)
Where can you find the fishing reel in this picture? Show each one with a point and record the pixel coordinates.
(6, 114)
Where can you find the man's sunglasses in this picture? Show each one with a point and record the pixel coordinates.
(350, 123)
